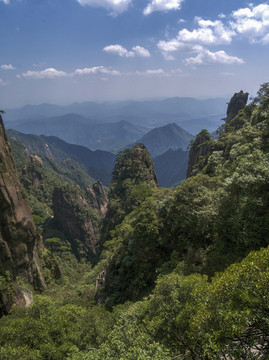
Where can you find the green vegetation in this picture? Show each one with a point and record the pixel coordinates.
(185, 271)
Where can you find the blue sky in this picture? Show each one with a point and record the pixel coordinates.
(61, 51)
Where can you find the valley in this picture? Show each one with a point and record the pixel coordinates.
(158, 251)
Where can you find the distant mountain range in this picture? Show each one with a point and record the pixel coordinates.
(77, 129)
(149, 114)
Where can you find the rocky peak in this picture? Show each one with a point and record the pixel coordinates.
(18, 255)
(237, 103)
(199, 150)
(98, 198)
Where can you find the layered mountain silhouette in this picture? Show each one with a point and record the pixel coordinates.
(151, 113)
(77, 129)
(161, 139)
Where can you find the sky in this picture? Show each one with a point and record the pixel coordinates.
(65, 51)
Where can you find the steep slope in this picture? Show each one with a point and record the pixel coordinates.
(161, 139)
(18, 255)
(204, 225)
(79, 215)
(99, 163)
(203, 144)
(199, 151)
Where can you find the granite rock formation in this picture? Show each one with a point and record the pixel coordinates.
(200, 149)
(237, 103)
(18, 255)
(79, 217)
(98, 198)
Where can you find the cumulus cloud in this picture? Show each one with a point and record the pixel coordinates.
(252, 22)
(118, 50)
(162, 5)
(140, 51)
(96, 70)
(123, 52)
(49, 73)
(208, 33)
(114, 6)
(7, 67)
(176, 45)
(207, 57)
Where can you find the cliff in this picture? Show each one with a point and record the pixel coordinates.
(78, 214)
(201, 147)
(18, 255)
(98, 198)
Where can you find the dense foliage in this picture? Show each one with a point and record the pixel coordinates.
(186, 270)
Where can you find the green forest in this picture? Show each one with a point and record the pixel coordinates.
(165, 274)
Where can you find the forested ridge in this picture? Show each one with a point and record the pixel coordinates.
(181, 274)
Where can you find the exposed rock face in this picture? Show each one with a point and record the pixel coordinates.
(237, 103)
(199, 151)
(79, 221)
(202, 145)
(98, 198)
(17, 231)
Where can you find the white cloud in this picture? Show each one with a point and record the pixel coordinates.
(123, 52)
(252, 22)
(49, 73)
(208, 33)
(96, 70)
(153, 72)
(7, 67)
(5, 1)
(176, 45)
(162, 5)
(140, 51)
(115, 6)
(52, 73)
(207, 57)
(118, 50)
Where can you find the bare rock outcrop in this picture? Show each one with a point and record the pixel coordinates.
(17, 232)
(237, 103)
(78, 217)
(98, 198)
(200, 149)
